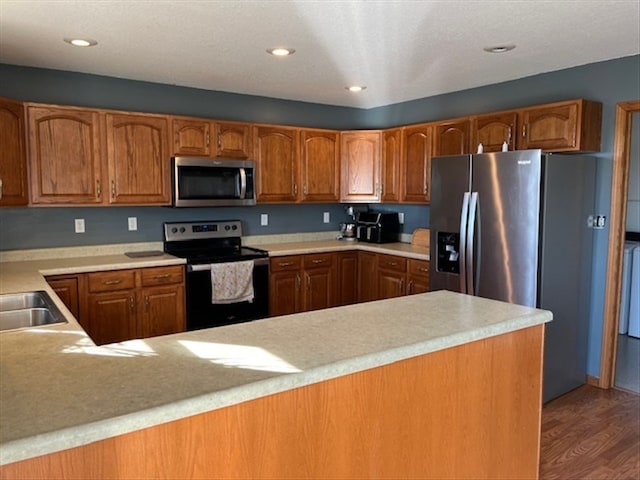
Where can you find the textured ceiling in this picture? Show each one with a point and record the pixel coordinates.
(400, 49)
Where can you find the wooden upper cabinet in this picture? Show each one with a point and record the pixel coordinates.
(233, 140)
(13, 167)
(416, 163)
(391, 161)
(360, 166)
(138, 159)
(320, 165)
(191, 137)
(65, 155)
(277, 163)
(452, 137)
(562, 127)
(493, 129)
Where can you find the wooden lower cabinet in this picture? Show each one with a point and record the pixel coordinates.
(367, 270)
(347, 278)
(300, 283)
(391, 276)
(470, 411)
(118, 305)
(417, 276)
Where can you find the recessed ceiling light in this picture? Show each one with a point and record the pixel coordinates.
(81, 42)
(356, 88)
(499, 48)
(281, 51)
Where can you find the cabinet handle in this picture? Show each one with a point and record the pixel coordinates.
(219, 140)
(392, 264)
(524, 130)
(295, 189)
(423, 269)
(131, 302)
(297, 281)
(112, 282)
(98, 188)
(284, 264)
(410, 287)
(146, 303)
(208, 138)
(113, 189)
(308, 281)
(160, 277)
(318, 261)
(509, 137)
(305, 190)
(401, 285)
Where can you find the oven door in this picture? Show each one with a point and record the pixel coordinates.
(201, 313)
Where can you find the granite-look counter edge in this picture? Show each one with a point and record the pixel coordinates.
(60, 391)
(320, 246)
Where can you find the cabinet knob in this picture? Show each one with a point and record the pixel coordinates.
(112, 282)
(298, 282)
(131, 302)
(284, 264)
(316, 261)
(113, 189)
(161, 277)
(98, 188)
(410, 286)
(207, 138)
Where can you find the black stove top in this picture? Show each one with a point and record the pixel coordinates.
(208, 242)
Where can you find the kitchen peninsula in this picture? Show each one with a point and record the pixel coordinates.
(435, 385)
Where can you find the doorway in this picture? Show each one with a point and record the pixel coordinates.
(619, 186)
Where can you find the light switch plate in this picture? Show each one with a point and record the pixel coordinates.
(132, 223)
(264, 219)
(401, 217)
(79, 225)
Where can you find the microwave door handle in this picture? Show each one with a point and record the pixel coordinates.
(243, 183)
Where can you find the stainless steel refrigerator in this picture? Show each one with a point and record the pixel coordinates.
(514, 226)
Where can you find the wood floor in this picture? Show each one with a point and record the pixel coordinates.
(591, 433)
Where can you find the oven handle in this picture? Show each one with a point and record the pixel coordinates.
(206, 266)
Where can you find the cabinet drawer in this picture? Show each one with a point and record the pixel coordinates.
(391, 262)
(111, 281)
(282, 264)
(419, 268)
(161, 275)
(317, 260)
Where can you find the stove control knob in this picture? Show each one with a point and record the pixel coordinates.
(174, 230)
(227, 227)
(182, 229)
(235, 227)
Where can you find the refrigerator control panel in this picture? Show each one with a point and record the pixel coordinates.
(448, 252)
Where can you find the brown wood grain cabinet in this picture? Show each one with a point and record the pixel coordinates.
(416, 163)
(367, 271)
(320, 165)
(452, 137)
(66, 287)
(569, 126)
(493, 129)
(347, 278)
(276, 152)
(13, 167)
(320, 281)
(208, 138)
(120, 305)
(360, 166)
(138, 159)
(392, 276)
(66, 155)
(391, 164)
(417, 276)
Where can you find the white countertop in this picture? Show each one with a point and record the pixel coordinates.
(58, 390)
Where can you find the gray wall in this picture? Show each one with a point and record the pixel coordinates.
(608, 82)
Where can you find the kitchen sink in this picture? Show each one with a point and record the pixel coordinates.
(28, 309)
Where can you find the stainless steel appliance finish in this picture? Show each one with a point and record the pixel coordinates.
(514, 227)
(28, 309)
(212, 182)
(208, 242)
(377, 227)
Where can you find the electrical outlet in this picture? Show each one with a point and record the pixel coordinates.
(401, 217)
(79, 225)
(132, 223)
(326, 217)
(264, 219)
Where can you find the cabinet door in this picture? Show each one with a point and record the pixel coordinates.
(320, 289)
(562, 127)
(416, 163)
(390, 284)
(320, 166)
(112, 316)
(391, 164)
(367, 271)
(163, 311)
(233, 140)
(285, 293)
(276, 154)
(493, 130)
(66, 287)
(13, 167)
(452, 138)
(65, 155)
(418, 276)
(138, 159)
(347, 278)
(360, 166)
(191, 136)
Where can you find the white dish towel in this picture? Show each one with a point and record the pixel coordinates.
(232, 282)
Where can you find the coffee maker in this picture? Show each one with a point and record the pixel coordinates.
(348, 229)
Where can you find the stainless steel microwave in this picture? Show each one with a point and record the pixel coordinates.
(212, 182)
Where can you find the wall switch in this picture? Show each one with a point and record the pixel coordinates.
(133, 223)
(326, 218)
(264, 219)
(401, 217)
(79, 225)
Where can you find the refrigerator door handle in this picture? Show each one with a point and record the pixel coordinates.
(473, 208)
(464, 214)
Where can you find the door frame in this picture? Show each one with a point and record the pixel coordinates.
(617, 227)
